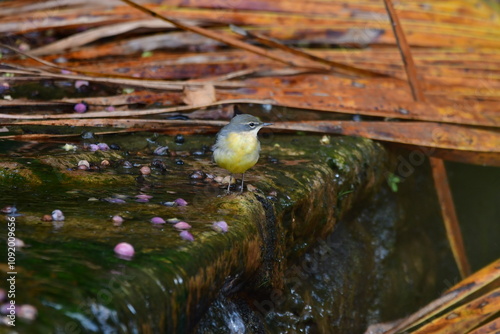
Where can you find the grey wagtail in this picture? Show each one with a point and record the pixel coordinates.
(237, 147)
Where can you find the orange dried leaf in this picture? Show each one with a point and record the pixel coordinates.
(199, 96)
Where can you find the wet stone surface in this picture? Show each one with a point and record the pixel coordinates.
(181, 263)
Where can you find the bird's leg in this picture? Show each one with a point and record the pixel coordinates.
(229, 183)
(242, 179)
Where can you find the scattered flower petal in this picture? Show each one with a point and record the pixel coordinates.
(93, 148)
(145, 170)
(173, 220)
(186, 236)
(80, 83)
(57, 215)
(124, 250)
(80, 107)
(325, 140)
(103, 146)
(182, 226)
(24, 47)
(157, 220)
(47, 218)
(19, 243)
(7, 308)
(180, 202)
(69, 147)
(117, 220)
(251, 188)
(28, 312)
(9, 209)
(84, 163)
(115, 200)
(220, 226)
(4, 86)
(143, 196)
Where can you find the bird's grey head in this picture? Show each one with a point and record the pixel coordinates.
(245, 122)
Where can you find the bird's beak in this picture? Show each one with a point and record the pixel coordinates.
(266, 124)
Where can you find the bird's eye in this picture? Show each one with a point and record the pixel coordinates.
(252, 124)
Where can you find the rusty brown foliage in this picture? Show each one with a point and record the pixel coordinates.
(326, 56)
(418, 74)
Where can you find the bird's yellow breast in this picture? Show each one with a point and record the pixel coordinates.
(237, 151)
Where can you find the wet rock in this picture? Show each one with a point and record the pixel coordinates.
(280, 227)
(197, 175)
(87, 135)
(179, 139)
(161, 150)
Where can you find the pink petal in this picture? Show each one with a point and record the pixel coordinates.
(186, 236)
(124, 249)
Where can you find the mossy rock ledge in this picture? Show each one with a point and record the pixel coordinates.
(316, 245)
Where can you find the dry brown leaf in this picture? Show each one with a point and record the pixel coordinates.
(199, 96)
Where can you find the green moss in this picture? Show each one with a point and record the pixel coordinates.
(13, 174)
(299, 195)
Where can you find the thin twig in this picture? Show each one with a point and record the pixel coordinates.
(450, 216)
(335, 66)
(404, 48)
(128, 113)
(225, 39)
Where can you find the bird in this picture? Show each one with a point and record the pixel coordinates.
(237, 148)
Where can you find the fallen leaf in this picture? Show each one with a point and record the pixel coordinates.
(195, 96)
